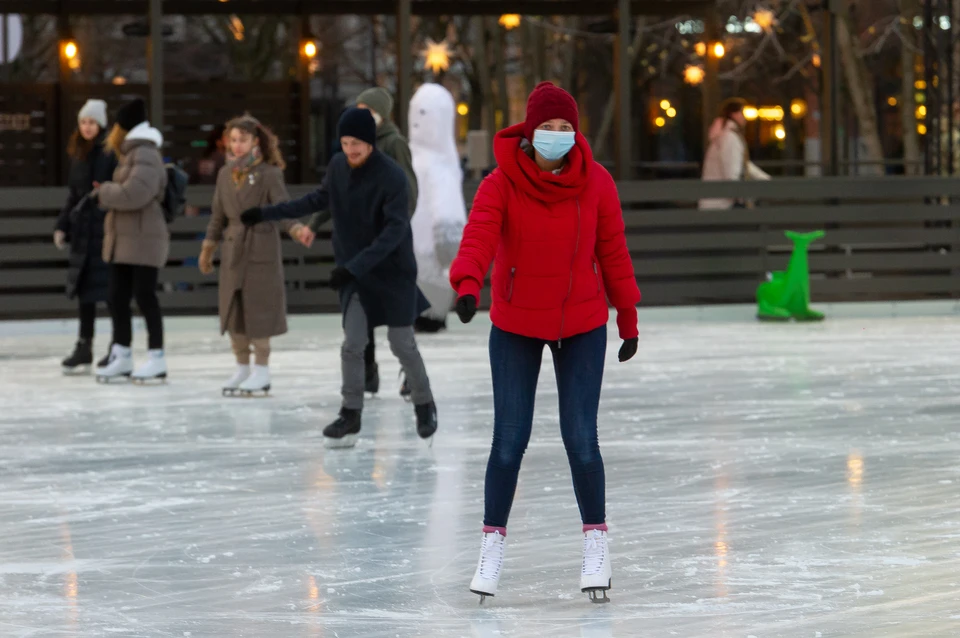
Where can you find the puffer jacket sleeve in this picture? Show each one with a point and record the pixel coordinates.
(616, 266)
(141, 187)
(481, 238)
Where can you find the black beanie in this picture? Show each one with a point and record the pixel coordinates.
(358, 123)
(131, 114)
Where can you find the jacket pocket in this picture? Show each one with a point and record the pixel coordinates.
(513, 274)
(596, 275)
(263, 247)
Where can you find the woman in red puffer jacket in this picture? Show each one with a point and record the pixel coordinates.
(549, 219)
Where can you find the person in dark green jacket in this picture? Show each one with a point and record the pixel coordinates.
(394, 145)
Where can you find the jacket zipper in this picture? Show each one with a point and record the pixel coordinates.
(513, 273)
(596, 276)
(573, 261)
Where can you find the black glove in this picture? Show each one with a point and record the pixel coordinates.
(466, 308)
(340, 277)
(628, 349)
(251, 216)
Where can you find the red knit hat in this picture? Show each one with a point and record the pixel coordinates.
(547, 102)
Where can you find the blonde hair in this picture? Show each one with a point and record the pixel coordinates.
(269, 142)
(115, 140)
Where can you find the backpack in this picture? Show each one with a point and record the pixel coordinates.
(175, 194)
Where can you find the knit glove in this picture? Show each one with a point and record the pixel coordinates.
(340, 277)
(205, 262)
(466, 308)
(628, 349)
(251, 216)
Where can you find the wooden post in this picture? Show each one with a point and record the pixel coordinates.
(155, 63)
(404, 64)
(711, 81)
(303, 93)
(622, 87)
(829, 102)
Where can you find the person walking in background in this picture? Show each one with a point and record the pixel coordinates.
(375, 273)
(391, 143)
(136, 240)
(549, 218)
(441, 213)
(81, 225)
(252, 296)
(728, 156)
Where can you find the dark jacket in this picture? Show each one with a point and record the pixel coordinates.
(395, 146)
(371, 236)
(88, 277)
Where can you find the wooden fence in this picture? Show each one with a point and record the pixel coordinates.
(887, 239)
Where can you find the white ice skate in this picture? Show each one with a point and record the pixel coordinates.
(119, 365)
(153, 369)
(487, 576)
(595, 575)
(231, 387)
(257, 382)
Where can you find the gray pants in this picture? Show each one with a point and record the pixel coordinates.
(403, 344)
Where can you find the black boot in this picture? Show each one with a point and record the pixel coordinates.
(405, 390)
(102, 363)
(79, 362)
(372, 380)
(428, 325)
(426, 419)
(343, 432)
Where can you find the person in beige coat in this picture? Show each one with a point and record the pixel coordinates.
(136, 240)
(728, 157)
(252, 297)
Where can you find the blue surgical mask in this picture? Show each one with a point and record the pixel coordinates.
(553, 145)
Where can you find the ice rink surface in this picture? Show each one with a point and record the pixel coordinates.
(762, 480)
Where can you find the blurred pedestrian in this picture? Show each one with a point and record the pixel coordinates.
(728, 156)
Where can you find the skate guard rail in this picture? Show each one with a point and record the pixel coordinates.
(891, 238)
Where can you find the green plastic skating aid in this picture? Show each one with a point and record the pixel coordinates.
(787, 295)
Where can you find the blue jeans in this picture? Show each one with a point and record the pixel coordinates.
(515, 364)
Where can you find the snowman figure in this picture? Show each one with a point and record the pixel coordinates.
(440, 215)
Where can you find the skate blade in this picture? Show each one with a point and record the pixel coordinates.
(125, 378)
(347, 441)
(428, 441)
(231, 392)
(483, 595)
(160, 379)
(598, 595)
(77, 371)
(259, 393)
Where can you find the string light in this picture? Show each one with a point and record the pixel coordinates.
(764, 19)
(718, 50)
(693, 75)
(510, 21)
(437, 56)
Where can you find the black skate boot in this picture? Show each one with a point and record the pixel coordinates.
(342, 433)
(102, 363)
(426, 421)
(427, 325)
(79, 362)
(372, 380)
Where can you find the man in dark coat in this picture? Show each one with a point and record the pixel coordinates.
(375, 273)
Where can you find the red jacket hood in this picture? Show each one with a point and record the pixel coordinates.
(524, 173)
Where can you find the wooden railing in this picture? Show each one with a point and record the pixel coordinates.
(890, 238)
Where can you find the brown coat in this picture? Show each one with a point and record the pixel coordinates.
(250, 259)
(135, 230)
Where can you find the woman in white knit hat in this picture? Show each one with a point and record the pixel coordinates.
(80, 225)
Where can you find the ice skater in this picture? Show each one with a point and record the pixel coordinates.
(81, 225)
(375, 272)
(136, 240)
(252, 297)
(549, 218)
(390, 141)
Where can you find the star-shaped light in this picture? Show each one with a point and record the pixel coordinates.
(437, 56)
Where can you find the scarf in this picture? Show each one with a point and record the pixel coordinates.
(240, 167)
